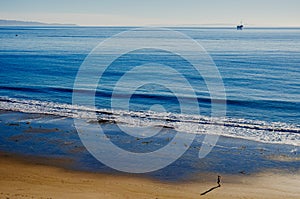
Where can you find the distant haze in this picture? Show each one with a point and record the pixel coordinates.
(29, 23)
(155, 12)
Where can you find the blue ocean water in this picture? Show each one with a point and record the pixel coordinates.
(259, 67)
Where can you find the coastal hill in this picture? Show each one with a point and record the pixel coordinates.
(4, 22)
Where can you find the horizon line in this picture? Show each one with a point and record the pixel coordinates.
(211, 25)
(163, 26)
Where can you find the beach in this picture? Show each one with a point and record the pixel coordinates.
(64, 169)
(23, 179)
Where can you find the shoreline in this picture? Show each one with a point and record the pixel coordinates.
(24, 179)
(41, 156)
(54, 137)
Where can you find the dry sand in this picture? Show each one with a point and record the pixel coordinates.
(25, 179)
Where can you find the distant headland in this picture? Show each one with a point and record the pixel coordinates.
(4, 22)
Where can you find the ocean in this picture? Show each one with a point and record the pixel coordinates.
(259, 68)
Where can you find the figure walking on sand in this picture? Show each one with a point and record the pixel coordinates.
(219, 180)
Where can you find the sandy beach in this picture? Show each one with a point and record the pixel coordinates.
(21, 178)
(41, 157)
(149, 100)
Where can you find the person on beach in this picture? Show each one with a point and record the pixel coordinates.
(219, 180)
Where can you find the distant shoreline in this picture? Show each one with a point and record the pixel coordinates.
(19, 23)
(171, 27)
(4, 22)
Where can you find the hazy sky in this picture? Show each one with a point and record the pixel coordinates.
(155, 12)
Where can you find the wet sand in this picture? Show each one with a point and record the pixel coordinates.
(21, 178)
(41, 156)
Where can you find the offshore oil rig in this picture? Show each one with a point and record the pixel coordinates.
(240, 27)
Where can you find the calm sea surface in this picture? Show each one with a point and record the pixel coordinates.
(260, 69)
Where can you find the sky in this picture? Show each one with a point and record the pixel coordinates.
(278, 13)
